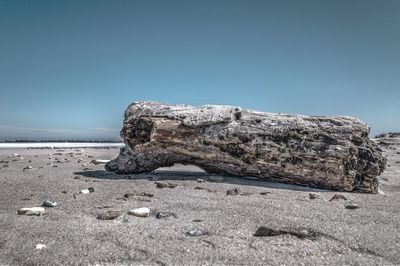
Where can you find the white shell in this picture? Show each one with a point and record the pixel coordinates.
(85, 191)
(31, 210)
(140, 212)
(40, 246)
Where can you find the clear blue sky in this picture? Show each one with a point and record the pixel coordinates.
(70, 68)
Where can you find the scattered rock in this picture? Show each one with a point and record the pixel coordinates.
(165, 185)
(233, 192)
(313, 195)
(99, 161)
(165, 215)
(265, 193)
(48, 203)
(140, 212)
(338, 197)
(352, 205)
(109, 215)
(77, 177)
(200, 180)
(141, 194)
(301, 233)
(36, 211)
(64, 191)
(40, 246)
(91, 189)
(80, 160)
(202, 188)
(27, 168)
(195, 232)
(197, 220)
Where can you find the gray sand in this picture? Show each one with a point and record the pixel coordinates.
(369, 235)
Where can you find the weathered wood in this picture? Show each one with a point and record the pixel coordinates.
(317, 151)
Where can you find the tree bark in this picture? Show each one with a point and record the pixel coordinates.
(316, 151)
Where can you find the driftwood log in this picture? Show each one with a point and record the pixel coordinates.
(316, 151)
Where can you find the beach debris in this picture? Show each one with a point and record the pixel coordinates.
(165, 185)
(27, 168)
(195, 232)
(165, 215)
(352, 205)
(140, 212)
(16, 155)
(338, 197)
(109, 215)
(200, 180)
(99, 161)
(231, 148)
(313, 195)
(64, 191)
(233, 192)
(31, 211)
(40, 246)
(49, 203)
(300, 232)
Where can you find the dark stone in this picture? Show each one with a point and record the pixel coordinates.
(300, 233)
(108, 215)
(233, 192)
(165, 185)
(338, 197)
(165, 215)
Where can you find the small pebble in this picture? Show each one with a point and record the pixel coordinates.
(26, 168)
(140, 212)
(194, 232)
(352, 205)
(313, 195)
(165, 185)
(108, 215)
(91, 189)
(233, 192)
(164, 215)
(48, 203)
(338, 197)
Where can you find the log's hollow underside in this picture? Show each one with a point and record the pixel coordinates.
(325, 152)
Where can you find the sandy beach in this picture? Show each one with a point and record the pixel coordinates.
(224, 223)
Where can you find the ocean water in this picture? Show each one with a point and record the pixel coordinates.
(58, 145)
